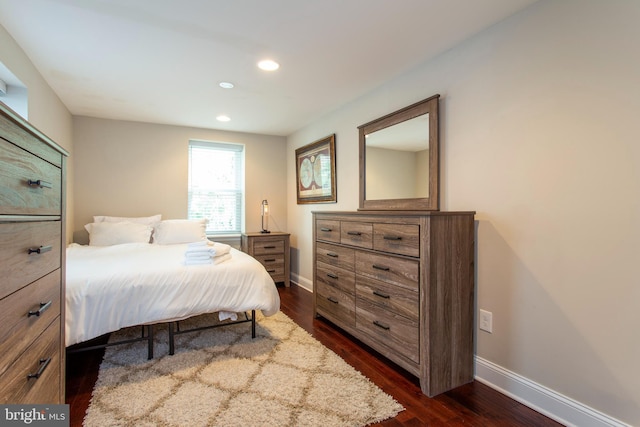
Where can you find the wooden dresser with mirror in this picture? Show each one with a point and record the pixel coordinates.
(398, 274)
(32, 259)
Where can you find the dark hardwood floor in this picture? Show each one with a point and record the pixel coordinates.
(473, 404)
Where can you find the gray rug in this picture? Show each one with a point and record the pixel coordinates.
(222, 377)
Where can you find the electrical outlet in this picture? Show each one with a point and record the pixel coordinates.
(486, 321)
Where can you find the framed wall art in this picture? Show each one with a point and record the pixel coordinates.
(316, 171)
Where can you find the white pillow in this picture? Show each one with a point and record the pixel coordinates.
(175, 231)
(147, 220)
(117, 233)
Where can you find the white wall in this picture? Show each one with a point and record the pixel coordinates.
(45, 110)
(140, 169)
(539, 134)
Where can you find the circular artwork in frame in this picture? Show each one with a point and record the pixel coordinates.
(316, 172)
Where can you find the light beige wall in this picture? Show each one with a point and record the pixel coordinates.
(46, 112)
(539, 135)
(139, 169)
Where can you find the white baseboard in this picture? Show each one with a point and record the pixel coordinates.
(540, 398)
(302, 282)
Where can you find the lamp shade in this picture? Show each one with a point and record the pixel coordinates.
(264, 213)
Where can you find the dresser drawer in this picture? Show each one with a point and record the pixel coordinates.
(18, 267)
(401, 301)
(43, 356)
(19, 168)
(336, 256)
(328, 230)
(395, 332)
(335, 305)
(356, 234)
(397, 238)
(26, 314)
(394, 270)
(337, 277)
(264, 246)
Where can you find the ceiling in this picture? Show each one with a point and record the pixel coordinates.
(160, 61)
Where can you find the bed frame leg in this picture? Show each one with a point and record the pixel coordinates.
(253, 323)
(171, 337)
(150, 343)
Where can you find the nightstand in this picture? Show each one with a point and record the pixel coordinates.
(272, 250)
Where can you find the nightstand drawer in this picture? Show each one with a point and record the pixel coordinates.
(271, 250)
(28, 184)
(264, 246)
(28, 251)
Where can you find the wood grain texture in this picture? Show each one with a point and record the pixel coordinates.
(18, 387)
(271, 250)
(32, 258)
(425, 262)
(17, 167)
(19, 329)
(18, 268)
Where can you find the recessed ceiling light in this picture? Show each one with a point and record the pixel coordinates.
(268, 65)
(226, 85)
(223, 118)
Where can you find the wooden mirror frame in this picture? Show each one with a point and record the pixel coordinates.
(432, 203)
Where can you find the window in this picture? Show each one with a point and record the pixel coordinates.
(216, 185)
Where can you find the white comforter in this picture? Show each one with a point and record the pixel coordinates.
(112, 287)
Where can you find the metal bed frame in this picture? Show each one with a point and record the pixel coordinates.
(147, 335)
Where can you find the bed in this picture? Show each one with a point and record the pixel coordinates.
(109, 287)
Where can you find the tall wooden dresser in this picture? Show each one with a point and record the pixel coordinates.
(32, 260)
(402, 283)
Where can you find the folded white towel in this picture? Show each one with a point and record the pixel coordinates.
(224, 315)
(209, 260)
(199, 243)
(221, 248)
(198, 256)
(201, 252)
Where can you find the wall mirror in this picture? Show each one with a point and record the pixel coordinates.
(399, 161)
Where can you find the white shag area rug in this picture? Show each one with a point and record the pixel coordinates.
(223, 377)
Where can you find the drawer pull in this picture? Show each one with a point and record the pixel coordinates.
(40, 250)
(392, 238)
(39, 183)
(325, 229)
(381, 325)
(332, 254)
(333, 276)
(270, 260)
(381, 295)
(43, 365)
(333, 300)
(43, 307)
(269, 247)
(271, 271)
(380, 267)
(354, 233)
